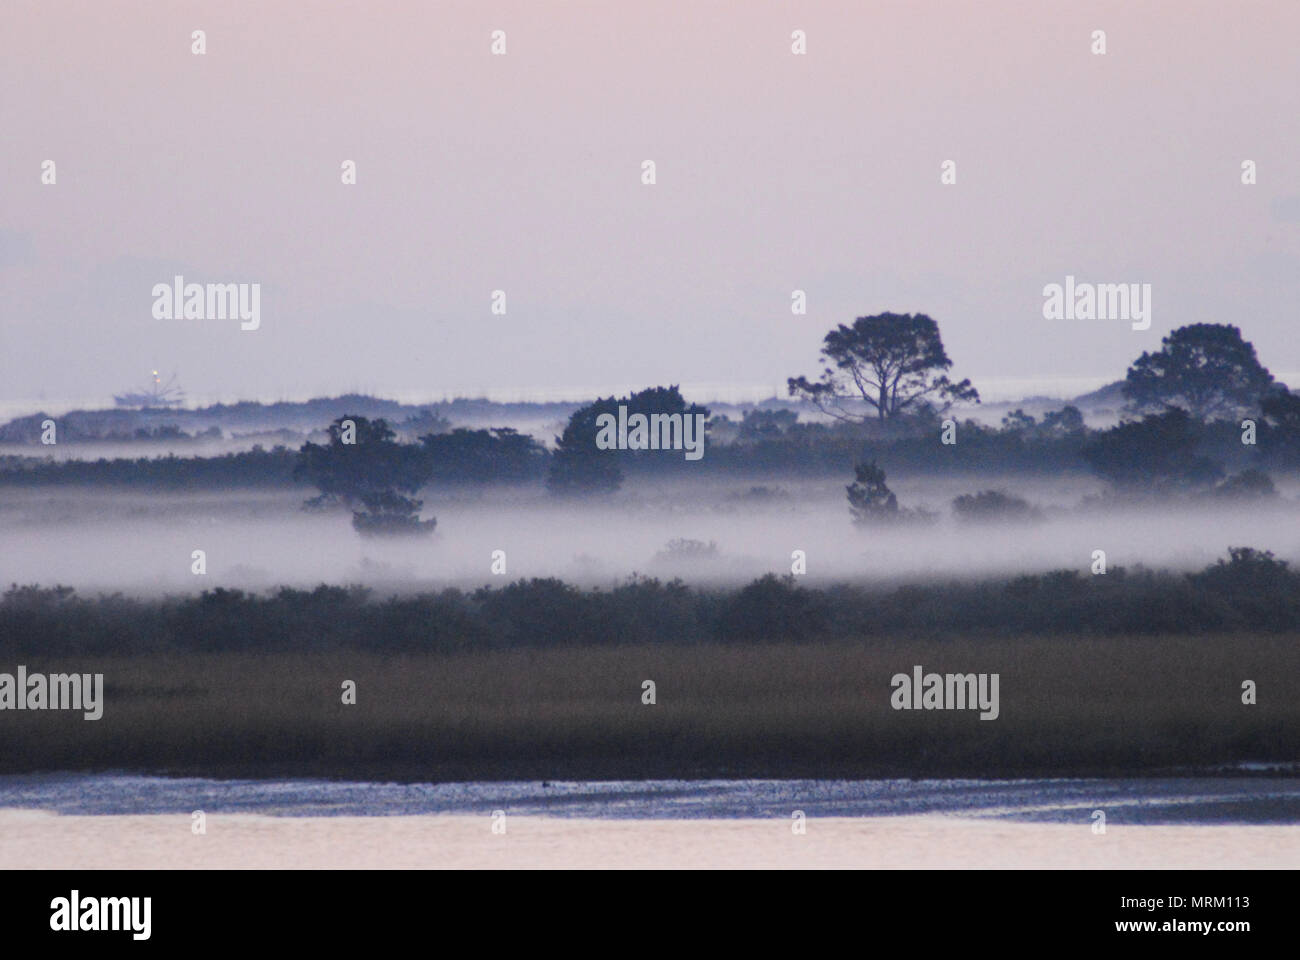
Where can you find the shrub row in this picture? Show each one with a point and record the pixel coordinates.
(1248, 591)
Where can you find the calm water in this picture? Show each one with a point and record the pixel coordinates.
(1199, 800)
(94, 822)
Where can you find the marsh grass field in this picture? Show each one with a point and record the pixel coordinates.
(1069, 707)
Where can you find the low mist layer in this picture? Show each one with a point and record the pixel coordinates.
(728, 532)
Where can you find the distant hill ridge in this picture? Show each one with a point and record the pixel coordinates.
(306, 416)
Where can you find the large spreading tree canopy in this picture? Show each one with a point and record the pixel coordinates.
(1206, 369)
(362, 458)
(364, 465)
(885, 365)
(580, 468)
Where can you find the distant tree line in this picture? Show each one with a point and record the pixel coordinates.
(1204, 405)
(499, 455)
(1248, 590)
(1171, 447)
(286, 421)
(1201, 411)
(364, 467)
(256, 468)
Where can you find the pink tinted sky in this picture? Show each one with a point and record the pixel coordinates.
(522, 173)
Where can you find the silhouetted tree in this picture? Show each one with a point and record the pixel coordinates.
(1017, 421)
(1205, 368)
(362, 465)
(892, 363)
(870, 500)
(374, 463)
(579, 467)
(1067, 420)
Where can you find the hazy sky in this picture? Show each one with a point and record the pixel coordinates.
(522, 173)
